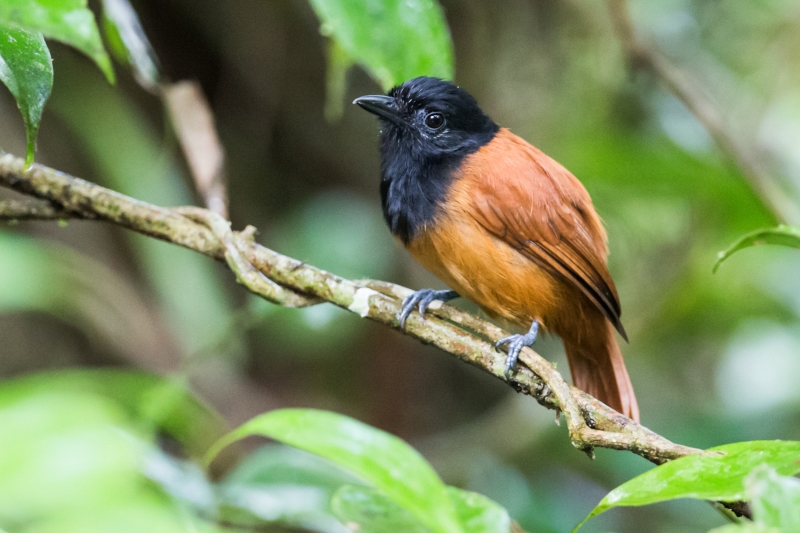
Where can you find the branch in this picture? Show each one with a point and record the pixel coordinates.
(650, 58)
(14, 210)
(292, 283)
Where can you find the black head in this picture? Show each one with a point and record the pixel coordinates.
(431, 118)
(428, 127)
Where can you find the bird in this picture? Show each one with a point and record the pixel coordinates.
(503, 225)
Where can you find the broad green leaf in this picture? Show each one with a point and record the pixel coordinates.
(782, 235)
(479, 514)
(371, 511)
(297, 506)
(278, 483)
(277, 464)
(68, 21)
(127, 39)
(394, 40)
(775, 499)
(27, 70)
(707, 477)
(382, 459)
(374, 512)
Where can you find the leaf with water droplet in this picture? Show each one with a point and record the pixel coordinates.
(718, 476)
(27, 70)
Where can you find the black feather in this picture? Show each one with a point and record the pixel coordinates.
(418, 162)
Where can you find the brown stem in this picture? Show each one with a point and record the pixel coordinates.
(591, 423)
(11, 210)
(193, 122)
(379, 301)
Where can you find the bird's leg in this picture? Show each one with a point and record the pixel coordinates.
(421, 300)
(515, 345)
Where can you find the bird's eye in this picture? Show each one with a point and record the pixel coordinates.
(434, 120)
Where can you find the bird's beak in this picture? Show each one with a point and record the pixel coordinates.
(380, 105)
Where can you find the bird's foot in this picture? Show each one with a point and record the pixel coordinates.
(515, 345)
(421, 300)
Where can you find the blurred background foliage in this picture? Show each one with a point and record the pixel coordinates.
(714, 357)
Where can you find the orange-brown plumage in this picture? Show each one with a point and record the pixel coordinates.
(519, 236)
(504, 225)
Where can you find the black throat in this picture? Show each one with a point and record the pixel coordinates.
(429, 126)
(412, 190)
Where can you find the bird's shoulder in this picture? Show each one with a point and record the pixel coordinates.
(513, 184)
(530, 201)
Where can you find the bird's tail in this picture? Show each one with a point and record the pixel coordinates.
(598, 369)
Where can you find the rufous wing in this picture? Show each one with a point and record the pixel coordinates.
(535, 205)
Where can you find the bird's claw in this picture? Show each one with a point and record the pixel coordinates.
(421, 300)
(515, 345)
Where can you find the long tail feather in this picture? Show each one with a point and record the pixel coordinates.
(598, 369)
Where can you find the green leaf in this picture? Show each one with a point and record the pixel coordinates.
(27, 70)
(706, 477)
(372, 511)
(394, 40)
(276, 464)
(782, 235)
(479, 514)
(382, 459)
(127, 39)
(295, 506)
(282, 484)
(68, 21)
(775, 499)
